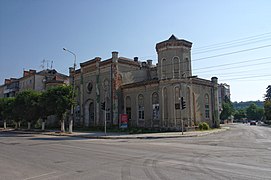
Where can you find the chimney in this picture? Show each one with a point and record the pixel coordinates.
(71, 70)
(115, 54)
(31, 71)
(144, 64)
(214, 80)
(26, 73)
(149, 62)
(135, 59)
(7, 81)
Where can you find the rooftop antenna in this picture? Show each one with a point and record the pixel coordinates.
(42, 65)
(47, 64)
(52, 64)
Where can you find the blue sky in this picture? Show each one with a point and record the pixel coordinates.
(33, 30)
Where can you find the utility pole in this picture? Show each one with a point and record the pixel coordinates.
(105, 117)
(72, 114)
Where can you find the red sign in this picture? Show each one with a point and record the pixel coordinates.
(123, 120)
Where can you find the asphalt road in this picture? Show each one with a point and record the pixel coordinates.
(243, 152)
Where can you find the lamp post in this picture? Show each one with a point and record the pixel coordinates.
(73, 90)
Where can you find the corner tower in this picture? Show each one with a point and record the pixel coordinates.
(174, 58)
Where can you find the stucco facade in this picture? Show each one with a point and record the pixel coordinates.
(32, 80)
(150, 94)
(42, 80)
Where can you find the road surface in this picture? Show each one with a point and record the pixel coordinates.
(243, 152)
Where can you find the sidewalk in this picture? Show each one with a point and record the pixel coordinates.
(111, 135)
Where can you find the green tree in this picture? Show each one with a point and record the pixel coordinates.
(251, 111)
(260, 113)
(7, 109)
(58, 101)
(254, 112)
(227, 109)
(267, 110)
(267, 105)
(268, 93)
(1, 108)
(239, 114)
(27, 106)
(44, 108)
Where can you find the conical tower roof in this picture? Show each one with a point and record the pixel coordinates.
(172, 37)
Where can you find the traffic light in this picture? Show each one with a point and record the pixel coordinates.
(183, 103)
(103, 106)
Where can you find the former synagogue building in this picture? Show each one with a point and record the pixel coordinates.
(149, 94)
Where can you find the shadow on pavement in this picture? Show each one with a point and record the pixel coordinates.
(55, 138)
(31, 136)
(13, 134)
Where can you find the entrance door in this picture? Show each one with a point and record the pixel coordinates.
(89, 113)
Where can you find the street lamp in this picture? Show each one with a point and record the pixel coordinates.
(73, 90)
(74, 64)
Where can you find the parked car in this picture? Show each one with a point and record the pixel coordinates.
(253, 123)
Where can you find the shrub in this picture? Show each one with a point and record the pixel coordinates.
(200, 126)
(204, 126)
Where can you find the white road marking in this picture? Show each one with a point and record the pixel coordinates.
(39, 176)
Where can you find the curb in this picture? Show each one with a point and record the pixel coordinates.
(116, 137)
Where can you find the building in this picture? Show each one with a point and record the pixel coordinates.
(42, 80)
(33, 80)
(10, 87)
(149, 94)
(223, 94)
(2, 87)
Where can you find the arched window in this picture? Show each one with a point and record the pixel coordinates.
(128, 107)
(176, 67)
(177, 94)
(155, 106)
(163, 67)
(207, 107)
(141, 115)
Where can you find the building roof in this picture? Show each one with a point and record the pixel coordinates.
(172, 37)
(52, 72)
(173, 41)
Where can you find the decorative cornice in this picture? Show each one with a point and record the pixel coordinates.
(173, 43)
(141, 83)
(89, 62)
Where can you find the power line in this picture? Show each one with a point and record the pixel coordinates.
(251, 80)
(227, 43)
(227, 47)
(238, 78)
(235, 67)
(232, 41)
(228, 64)
(234, 52)
(238, 72)
(207, 71)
